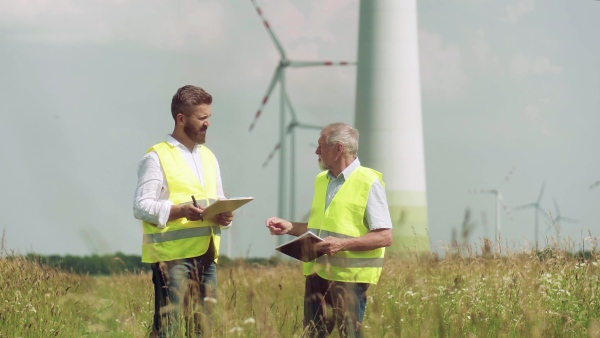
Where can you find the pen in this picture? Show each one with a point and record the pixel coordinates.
(196, 205)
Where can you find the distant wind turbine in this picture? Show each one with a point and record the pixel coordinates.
(290, 130)
(537, 210)
(284, 129)
(499, 205)
(557, 221)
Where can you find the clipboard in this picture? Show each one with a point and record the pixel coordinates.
(300, 247)
(224, 205)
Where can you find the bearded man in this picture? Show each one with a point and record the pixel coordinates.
(181, 246)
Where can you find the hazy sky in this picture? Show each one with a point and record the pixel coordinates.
(86, 89)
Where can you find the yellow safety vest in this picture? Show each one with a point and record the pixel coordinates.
(182, 238)
(344, 219)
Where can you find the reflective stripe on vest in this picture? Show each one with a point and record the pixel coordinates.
(182, 238)
(325, 233)
(344, 219)
(180, 234)
(346, 262)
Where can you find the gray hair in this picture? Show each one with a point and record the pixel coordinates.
(343, 134)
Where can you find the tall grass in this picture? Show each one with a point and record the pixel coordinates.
(470, 295)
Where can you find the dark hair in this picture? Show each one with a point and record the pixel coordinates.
(187, 97)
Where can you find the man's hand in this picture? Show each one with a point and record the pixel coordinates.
(330, 245)
(224, 218)
(190, 212)
(278, 226)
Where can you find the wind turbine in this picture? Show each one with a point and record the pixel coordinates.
(290, 130)
(557, 220)
(499, 204)
(537, 210)
(388, 115)
(284, 129)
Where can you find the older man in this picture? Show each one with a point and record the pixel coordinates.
(350, 211)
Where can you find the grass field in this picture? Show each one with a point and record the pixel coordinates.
(468, 295)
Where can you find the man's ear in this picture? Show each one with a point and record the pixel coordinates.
(179, 119)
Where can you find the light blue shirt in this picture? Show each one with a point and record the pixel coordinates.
(377, 214)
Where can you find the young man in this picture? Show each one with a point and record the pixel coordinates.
(181, 246)
(350, 211)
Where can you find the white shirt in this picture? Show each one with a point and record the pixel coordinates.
(377, 214)
(151, 201)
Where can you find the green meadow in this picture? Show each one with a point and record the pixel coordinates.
(471, 294)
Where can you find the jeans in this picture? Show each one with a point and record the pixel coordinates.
(347, 301)
(184, 296)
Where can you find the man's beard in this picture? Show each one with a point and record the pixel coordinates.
(195, 135)
(322, 165)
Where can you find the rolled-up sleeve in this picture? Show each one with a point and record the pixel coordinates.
(377, 214)
(147, 205)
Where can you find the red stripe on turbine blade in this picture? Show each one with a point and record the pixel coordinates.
(328, 63)
(343, 63)
(257, 114)
(259, 10)
(267, 24)
(265, 100)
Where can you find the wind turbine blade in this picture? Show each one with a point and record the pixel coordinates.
(556, 208)
(526, 206)
(541, 211)
(569, 220)
(482, 191)
(551, 226)
(507, 178)
(294, 123)
(269, 30)
(277, 147)
(504, 206)
(506, 209)
(541, 192)
(298, 64)
(272, 154)
(308, 126)
(552, 222)
(274, 80)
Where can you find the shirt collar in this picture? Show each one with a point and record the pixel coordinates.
(346, 172)
(173, 142)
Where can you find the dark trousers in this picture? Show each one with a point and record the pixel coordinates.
(184, 295)
(329, 304)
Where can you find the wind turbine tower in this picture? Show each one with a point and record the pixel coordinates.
(388, 114)
(537, 210)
